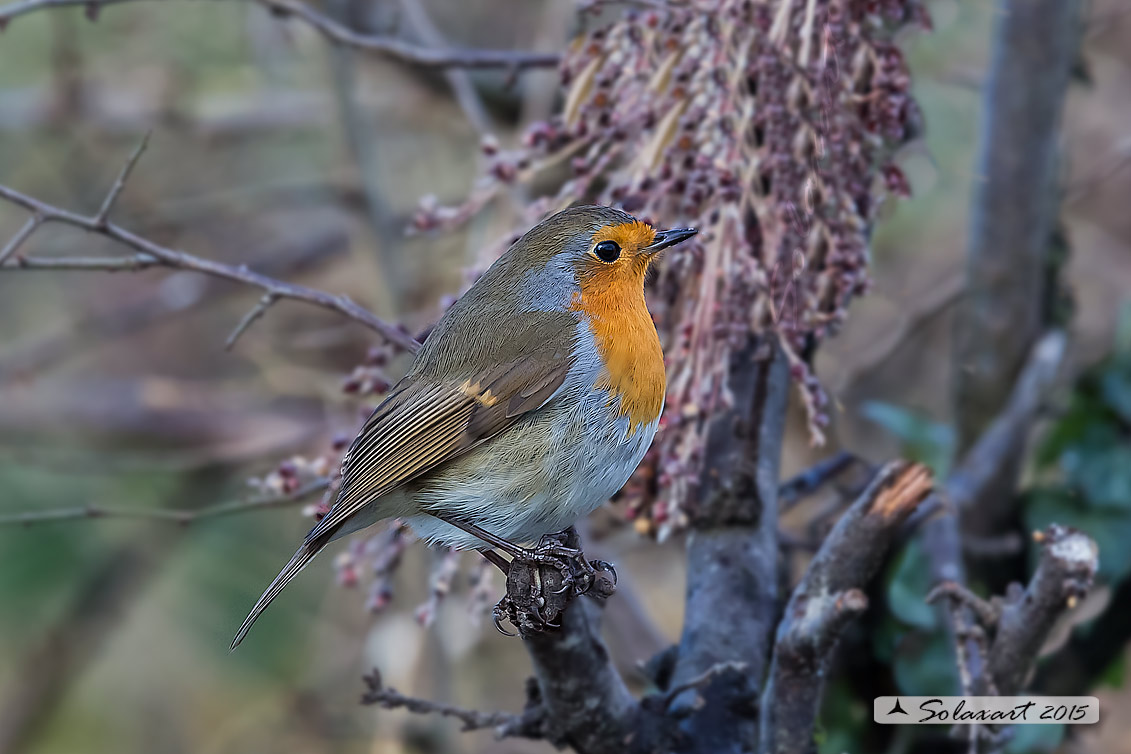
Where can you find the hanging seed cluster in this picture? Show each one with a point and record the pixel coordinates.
(771, 127)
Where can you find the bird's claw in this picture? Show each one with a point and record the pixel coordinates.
(606, 566)
(534, 601)
(500, 613)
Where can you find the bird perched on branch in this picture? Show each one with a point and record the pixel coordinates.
(532, 401)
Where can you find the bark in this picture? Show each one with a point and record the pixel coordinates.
(1014, 205)
(828, 597)
(732, 554)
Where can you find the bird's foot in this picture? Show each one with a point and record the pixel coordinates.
(542, 581)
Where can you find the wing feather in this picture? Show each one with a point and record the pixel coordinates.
(423, 423)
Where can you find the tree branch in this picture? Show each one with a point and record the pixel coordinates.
(120, 182)
(584, 701)
(169, 515)
(987, 465)
(796, 488)
(336, 33)
(732, 552)
(1014, 205)
(830, 594)
(151, 254)
(504, 723)
(1067, 566)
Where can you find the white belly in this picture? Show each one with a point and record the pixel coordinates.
(538, 477)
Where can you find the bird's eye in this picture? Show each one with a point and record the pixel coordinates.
(607, 251)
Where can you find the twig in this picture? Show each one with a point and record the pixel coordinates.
(925, 308)
(258, 311)
(813, 478)
(390, 698)
(828, 597)
(338, 34)
(168, 515)
(22, 235)
(135, 263)
(460, 81)
(152, 254)
(120, 183)
(400, 50)
(987, 612)
(983, 481)
(700, 680)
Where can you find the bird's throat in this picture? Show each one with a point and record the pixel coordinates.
(628, 345)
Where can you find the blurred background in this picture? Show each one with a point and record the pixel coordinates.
(273, 149)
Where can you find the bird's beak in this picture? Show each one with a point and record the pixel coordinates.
(666, 238)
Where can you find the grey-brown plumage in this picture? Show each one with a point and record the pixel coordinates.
(512, 361)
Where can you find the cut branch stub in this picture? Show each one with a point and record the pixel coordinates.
(830, 594)
(1068, 564)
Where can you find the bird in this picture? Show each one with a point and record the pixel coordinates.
(531, 402)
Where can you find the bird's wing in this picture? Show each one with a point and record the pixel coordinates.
(420, 425)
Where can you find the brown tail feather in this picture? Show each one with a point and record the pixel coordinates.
(304, 555)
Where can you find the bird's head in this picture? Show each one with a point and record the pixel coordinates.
(590, 250)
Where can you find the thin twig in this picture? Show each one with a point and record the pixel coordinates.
(260, 309)
(338, 34)
(921, 310)
(390, 698)
(987, 612)
(22, 234)
(132, 263)
(120, 183)
(460, 81)
(813, 478)
(395, 48)
(168, 515)
(702, 679)
(153, 254)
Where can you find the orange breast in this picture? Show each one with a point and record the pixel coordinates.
(627, 342)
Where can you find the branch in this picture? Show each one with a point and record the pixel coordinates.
(169, 515)
(732, 551)
(830, 594)
(338, 34)
(151, 254)
(120, 182)
(504, 723)
(17, 240)
(1067, 566)
(1014, 205)
(796, 488)
(983, 481)
(460, 81)
(579, 696)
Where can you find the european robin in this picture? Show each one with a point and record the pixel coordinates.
(531, 402)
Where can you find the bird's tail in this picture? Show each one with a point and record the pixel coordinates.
(304, 555)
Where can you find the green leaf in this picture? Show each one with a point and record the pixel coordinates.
(924, 439)
(1100, 468)
(843, 721)
(1115, 673)
(1085, 411)
(907, 589)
